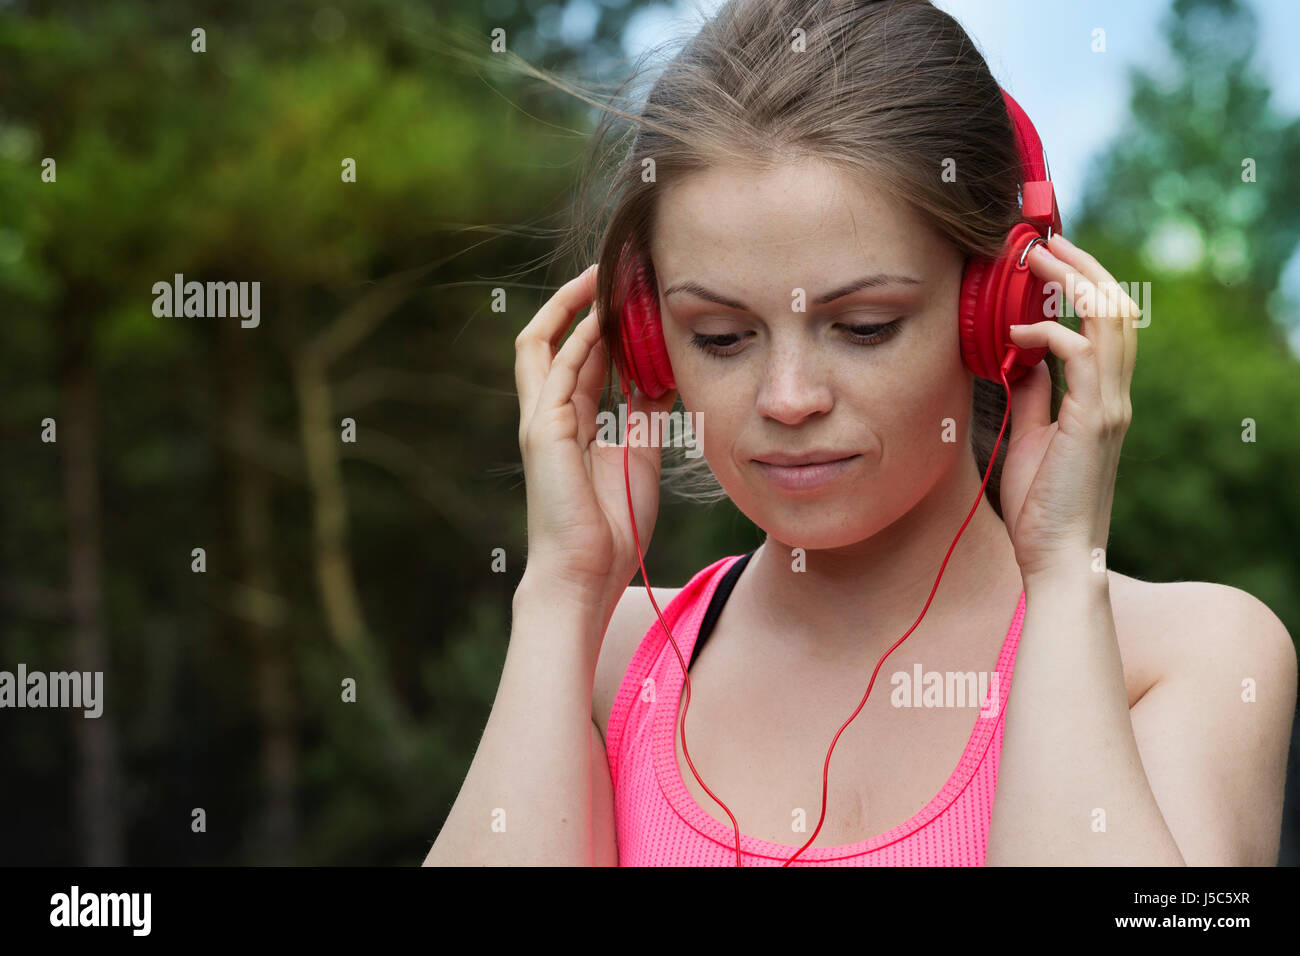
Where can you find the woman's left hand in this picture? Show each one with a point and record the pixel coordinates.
(1058, 480)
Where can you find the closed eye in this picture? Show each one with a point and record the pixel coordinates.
(722, 346)
(874, 334)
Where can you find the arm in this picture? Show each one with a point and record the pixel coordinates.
(1070, 763)
(1213, 735)
(1215, 730)
(537, 775)
(527, 799)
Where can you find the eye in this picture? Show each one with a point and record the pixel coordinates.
(873, 334)
(722, 346)
(719, 345)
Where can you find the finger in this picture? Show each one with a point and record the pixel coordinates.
(1086, 263)
(1076, 352)
(562, 380)
(1116, 300)
(1072, 255)
(1096, 322)
(1031, 400)
(1130, 359)
(1112, 304)
(536, 344)
(654, 411)
(591, 379)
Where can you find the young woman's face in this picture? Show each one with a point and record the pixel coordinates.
(747, 262)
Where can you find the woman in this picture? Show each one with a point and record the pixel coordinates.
(769, 178)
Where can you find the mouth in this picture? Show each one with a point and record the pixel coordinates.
(804, 472)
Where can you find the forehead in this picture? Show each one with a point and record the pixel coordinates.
(801, 218)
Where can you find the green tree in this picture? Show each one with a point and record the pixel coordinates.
(1196, 196)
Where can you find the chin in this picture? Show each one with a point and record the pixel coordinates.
(813, 524)
(829, 538)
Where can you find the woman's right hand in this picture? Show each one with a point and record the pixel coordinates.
(579, 535)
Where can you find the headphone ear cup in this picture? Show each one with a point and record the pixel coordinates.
(968, 313)
(994, 296)
(645, 354)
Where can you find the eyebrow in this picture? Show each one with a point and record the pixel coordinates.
(866, 282)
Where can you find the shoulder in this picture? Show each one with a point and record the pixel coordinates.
(632, 619)
(1196, 626)
(1213, 721)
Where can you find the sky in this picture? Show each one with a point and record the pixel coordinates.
(1041, 52)
(1054, 88)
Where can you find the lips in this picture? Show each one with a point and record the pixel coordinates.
(810, 472)
(807, 458)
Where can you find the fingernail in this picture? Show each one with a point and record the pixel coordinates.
(1065, 242)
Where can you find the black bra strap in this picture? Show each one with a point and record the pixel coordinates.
(714, 610)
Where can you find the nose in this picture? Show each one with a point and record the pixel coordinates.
(795, 384)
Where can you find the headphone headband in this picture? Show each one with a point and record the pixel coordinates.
(1033, 157)
(1038, 198)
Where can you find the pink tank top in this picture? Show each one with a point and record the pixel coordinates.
(658, 822)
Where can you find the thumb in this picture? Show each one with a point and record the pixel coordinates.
(654, 410)
(1031, 400)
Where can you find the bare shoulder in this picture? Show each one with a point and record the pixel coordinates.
(1193, 626)
(631, 620)
(1213, 725)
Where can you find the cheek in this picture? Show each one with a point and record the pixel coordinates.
(933, 390)
(930, 427)
(718, 424)
(695, 373)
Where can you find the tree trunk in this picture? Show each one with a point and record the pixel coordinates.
(262, 618)
(343, 614)
(98, 776)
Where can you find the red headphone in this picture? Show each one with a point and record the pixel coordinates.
(995, 293)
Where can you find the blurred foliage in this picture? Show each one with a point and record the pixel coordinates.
(1169, 203)
(225, 165)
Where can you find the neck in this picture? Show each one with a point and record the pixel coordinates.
(865, 596)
